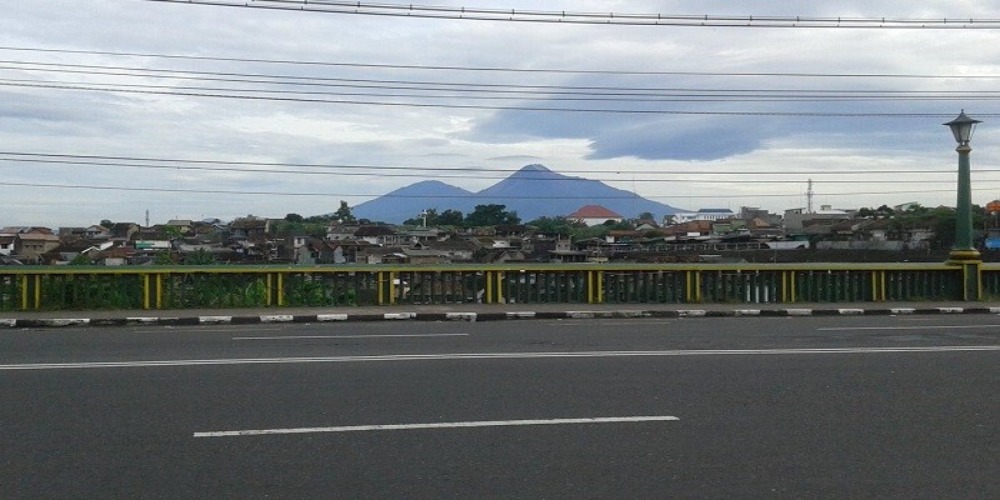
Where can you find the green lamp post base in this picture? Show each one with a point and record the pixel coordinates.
(958, 257)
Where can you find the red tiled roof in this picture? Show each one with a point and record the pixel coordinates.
(594, 212)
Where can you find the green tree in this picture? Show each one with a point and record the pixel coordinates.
(80, 260)
(294, 218)
(343, 214)
(429, 216)
(173, 232)
(884, 211)
(199, 257)
(318, 219)
(554, 226)
(286, 229)
(491, 215)
(450, 218)
(163, 258)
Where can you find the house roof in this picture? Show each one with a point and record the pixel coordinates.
(701, 226)
(25, 230)
(369, 231)
(37, 237)
(248, 223)
(117, 253)
(455, 245)
(594, 212)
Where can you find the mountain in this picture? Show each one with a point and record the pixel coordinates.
(408, 202)
(533, 191)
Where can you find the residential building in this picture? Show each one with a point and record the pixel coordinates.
(755, 213)
(7, 242)
(250, 228)
(709, 214)
(97, 232)
(124, 231)
(32, 243)
(594, 215)
(184, 227)
(456, 250)
(337, 231)
(796, 219)
(564, 252)
(381, 235)
(691, 229)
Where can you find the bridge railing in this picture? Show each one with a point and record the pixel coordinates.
(78, 288)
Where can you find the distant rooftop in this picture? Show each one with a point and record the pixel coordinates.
(594, 212)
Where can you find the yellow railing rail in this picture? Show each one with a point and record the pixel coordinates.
(49, 288)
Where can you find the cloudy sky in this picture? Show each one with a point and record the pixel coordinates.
(110, 108)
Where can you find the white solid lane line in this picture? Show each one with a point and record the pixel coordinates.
(491, 355)
(437, 425)
(305, 337)
(928, 327)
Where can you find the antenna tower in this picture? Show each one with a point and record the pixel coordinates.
(809, 197)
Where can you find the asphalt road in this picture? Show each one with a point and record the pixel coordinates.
(818, 407)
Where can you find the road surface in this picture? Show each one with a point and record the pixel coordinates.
(888, 407)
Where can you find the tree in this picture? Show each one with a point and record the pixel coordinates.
(447, 218)
(173, 232)
(491, 215)
(554, 226)
(80, 260)
(428, 217)
(450, 218)
(163, 258)
(647, 216)
(200, 257)
(294, 218)
(884, 210)
(343, 214)
(318, 219)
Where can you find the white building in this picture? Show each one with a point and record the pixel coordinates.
(712, 214)
(795, 218)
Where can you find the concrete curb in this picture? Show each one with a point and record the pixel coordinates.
(10, 323)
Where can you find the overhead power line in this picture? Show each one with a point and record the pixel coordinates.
(277, 97)
(491, 69)
(256, 82)
(424, 93)
(600, 18)
(646, 180)
(470, 196)
(681, 96)
(472, 173)
(421, 171)
(449, 84)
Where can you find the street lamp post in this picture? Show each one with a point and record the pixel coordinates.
(964, 253)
